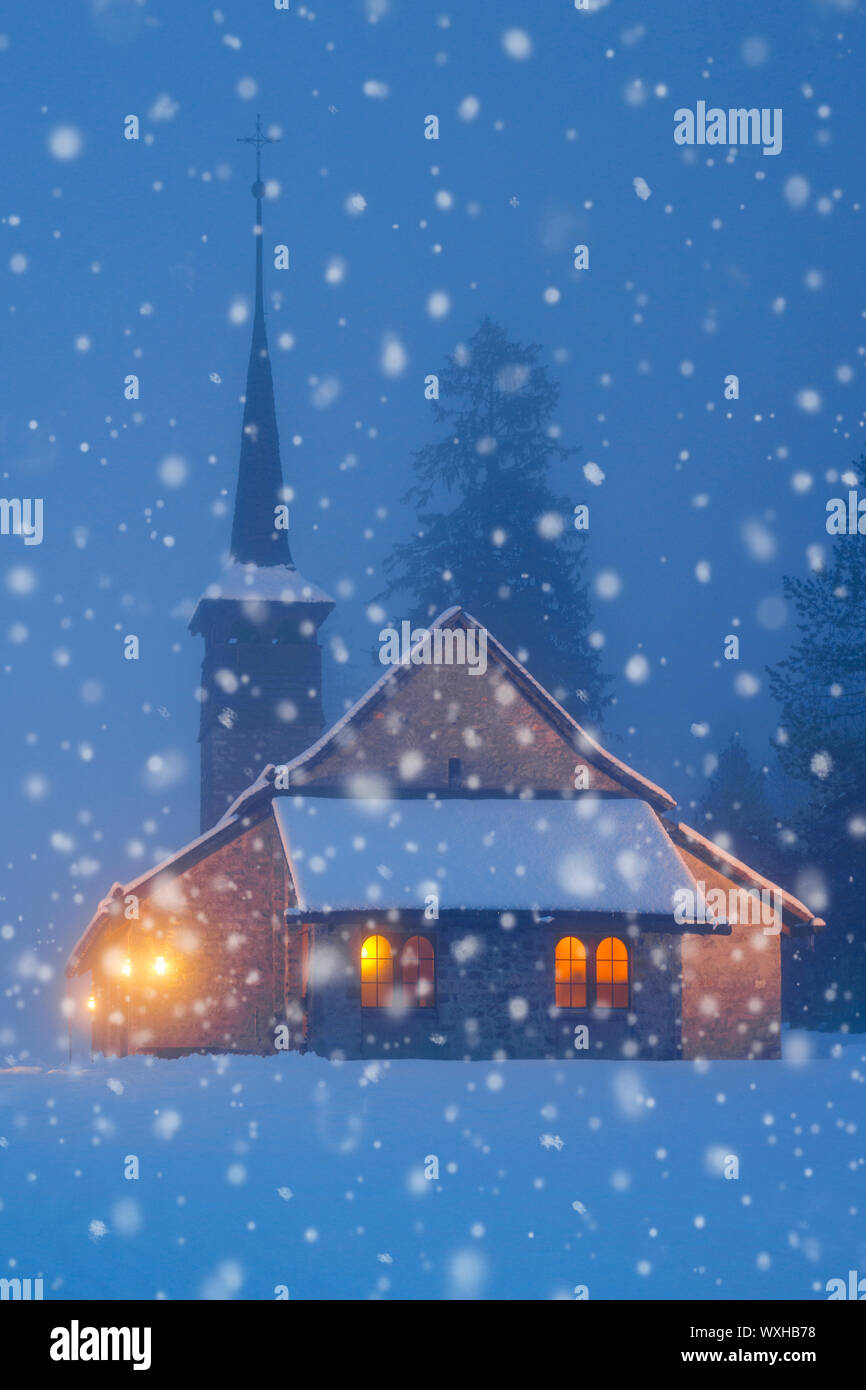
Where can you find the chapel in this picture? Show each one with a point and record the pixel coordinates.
(455, 869)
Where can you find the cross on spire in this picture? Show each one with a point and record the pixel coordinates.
(258, 140)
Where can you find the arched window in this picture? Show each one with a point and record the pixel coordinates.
(377, 973)
(611, 974)
(570, 973)
(419, 985)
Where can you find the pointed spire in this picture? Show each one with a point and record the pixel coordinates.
(255, 538)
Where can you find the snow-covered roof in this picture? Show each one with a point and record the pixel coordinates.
(589, 854)
(267, 583)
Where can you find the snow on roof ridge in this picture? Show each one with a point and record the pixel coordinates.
(392, 673)
(793, 904)
(586, 738)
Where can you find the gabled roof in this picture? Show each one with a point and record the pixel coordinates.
(253, 804)
(718, 858)
(550, 708)
(111, 906)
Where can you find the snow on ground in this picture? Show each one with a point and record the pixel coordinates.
(293, 1171)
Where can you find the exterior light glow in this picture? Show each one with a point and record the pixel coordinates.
(91, 1003)
(127, 968)
(159, 965)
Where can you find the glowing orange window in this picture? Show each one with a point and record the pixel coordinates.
(570, 973)
(611, 974)
(419, 988)
(377, 973)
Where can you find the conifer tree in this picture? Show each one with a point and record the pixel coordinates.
(492, 534)
(821, 741)
(735, 811)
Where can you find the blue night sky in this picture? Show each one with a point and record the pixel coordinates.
(122, 256)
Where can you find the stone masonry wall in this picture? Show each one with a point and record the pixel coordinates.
(251, 690)
(731, 986)
(495, 995)
(219, 927)
(444, 712)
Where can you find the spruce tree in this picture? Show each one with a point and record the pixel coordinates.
(492, 534)
(821, 688)
(735, 812)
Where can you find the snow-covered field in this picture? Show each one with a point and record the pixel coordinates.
(295, 1172)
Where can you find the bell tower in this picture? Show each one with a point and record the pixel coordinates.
(262, 668)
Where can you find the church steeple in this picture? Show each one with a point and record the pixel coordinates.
(261, 685)
(256, 539)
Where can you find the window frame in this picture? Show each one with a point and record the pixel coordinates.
(415, 1006)
(377, 936)
(592, 944)
(398, 945)
(613, 983)
(569, 983)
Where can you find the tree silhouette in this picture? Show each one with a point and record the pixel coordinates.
(735, 811)
(493, 536)
(821, 688)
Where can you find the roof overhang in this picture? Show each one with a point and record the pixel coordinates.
(797, 918)
(620, 923)
(258, 588)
